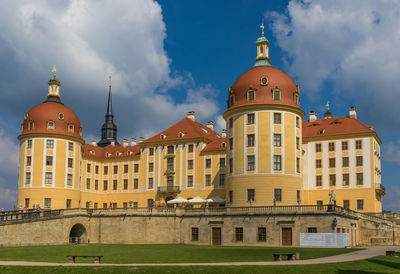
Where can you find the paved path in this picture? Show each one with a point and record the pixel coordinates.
(352, 256)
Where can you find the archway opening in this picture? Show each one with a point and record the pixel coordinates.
(77, 235)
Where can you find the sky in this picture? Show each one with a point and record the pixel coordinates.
(170, 57)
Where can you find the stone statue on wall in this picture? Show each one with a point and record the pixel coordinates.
(332, 197)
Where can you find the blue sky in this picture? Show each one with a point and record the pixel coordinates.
(170, 57)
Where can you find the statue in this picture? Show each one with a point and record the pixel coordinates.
(332, 197)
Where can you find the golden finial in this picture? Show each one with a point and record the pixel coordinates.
(54, 71)
(327, 105)
(109, 79)
(262, 28)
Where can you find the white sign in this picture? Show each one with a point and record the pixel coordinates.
(324, 239)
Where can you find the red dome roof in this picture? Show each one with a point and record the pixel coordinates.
(252, 80)
(65, 121)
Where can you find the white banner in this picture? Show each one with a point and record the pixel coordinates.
(324, 239)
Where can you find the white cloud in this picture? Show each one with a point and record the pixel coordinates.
(351, 44)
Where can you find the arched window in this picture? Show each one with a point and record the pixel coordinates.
(180, 134)
(276, 94)
(296, 98)
(31, 125)
(71, 128)
(251, 95)
(50, 125)
(261, 50)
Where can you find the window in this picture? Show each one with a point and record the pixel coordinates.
(68, 203)
(150, 183)
(96, 184)
(251, 95)
(277, 140)
(332, 179)
(88, 183)
(230, 123)
(250, 140)
(106, 170)
(136, 168)
(250, 118)
(222, 179)
(29, 144)
(360, 204)
(221, 162)
(312, 230)
(331, 146)
(88, 167)
(298, 165)
(239, 234)
(297, 143)
(345, 145)
(69, 179)
(360, 178)
(276, 94)
(70, 146)
(96, 169)
(318, 180)
(358, 144)
(231, 100)
(297, 122)
(262, 234)
(250, 162)
(47, 202)
(135, 205)
(49, 160)
(71, 128)
(170, 181)
(151, 167)
(332, 162)
(61, 116)
(115, 184)
(104, 205)
(208, 180)
(105, 185)
(346, 204)
(125, 205)
(50, 125)
(359, 160)
(320, 202)
(135, 183)
(125, 184)
(296, 98)
(170, 163)
(230, 196)
(195, 234)
(126, 168)
(318, 147)
(190, 181)
(231, 143)
(27, 178)
(345, 162)
(50, 144)
(277, 195)
(346, 179)
(230, 165)
(190, 164)
(208, 163)
(250, 195)
(48, 178)
(115, 169)
(151, 151)
(31, 125)
(170, 149)
(318, 163)
(190, 147)
(277, 118)
(277, 162)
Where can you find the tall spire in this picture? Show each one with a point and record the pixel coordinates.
(262, 43)
(109, 129)
(54, 88)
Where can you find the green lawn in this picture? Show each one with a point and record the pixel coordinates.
(158, 253)
(379, 264)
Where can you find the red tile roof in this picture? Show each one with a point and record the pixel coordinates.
(334, 126)
(190, 130)
(216, 145)
(114, 152)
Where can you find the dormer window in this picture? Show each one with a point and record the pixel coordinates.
(231, 100)
(118, 153)
(251, 95)
(50, 125)
(223, 145)
(180, 134)
(129, 152)
(276, 94)
(108, 154)
(31, 125)
(296, 98)
(92, 152)
(264, 81)
(71, 128)
(162, 136)
(61, 116)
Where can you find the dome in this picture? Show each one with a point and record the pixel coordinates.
(52, 117)
(263, 80)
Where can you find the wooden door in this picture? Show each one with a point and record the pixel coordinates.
(286, 236)
(216, 236)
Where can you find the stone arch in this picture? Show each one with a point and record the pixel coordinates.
(78, 234)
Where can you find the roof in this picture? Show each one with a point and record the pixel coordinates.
(216, 145)
(111, 152)
(183, 130)
(334, 126)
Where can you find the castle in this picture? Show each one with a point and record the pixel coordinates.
(268, 156)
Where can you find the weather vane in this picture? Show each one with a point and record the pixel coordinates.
(327, 105)
(54, 70)
(262, 28)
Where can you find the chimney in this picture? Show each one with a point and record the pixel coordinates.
(191, 115)
(94, 143)
(113, 142)
(352, 112)
(223, 134)
(141, 139)
(210, 125)
(125, 142)
(313, 116)
(133, 142)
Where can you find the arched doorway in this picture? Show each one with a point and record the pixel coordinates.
(77, 235)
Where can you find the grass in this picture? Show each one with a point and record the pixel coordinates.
(379, 264)
(158, 253)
